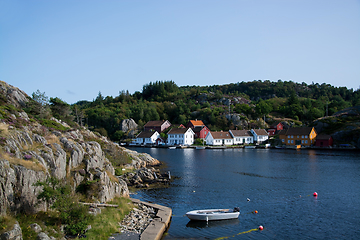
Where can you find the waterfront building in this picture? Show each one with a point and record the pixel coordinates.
(242, 137)
(260, 135)
(147, 137)
(180, 136)
(219, 138)
(298, 136)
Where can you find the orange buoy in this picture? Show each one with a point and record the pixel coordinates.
(261, 227)
(315, 194)
(255, 211)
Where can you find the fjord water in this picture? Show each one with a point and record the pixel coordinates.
(279, 184)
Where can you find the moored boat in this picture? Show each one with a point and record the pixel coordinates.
(213, 214)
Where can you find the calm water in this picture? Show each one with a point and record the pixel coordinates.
(279, 184)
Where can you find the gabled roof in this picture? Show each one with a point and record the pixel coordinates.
(299, 131)
(323, 137)
(198, 129)
(241, 133)
(221, 135)
(178, 131)
(146, 134)
(155, 123)
(260, 132)
(197, 123)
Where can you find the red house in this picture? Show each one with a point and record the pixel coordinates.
(201, 132)
(323, 140)
(158, 126)
(275, 127)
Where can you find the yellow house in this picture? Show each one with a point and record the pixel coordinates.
(304, 136)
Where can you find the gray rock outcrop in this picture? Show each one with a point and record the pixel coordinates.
(34, 158)
(14, 95)
(14, 234)
(127, 125)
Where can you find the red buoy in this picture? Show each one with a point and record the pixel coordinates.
(261, 227)
(256, 211)
(315, 194)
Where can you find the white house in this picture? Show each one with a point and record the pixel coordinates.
(147, 137)
(180, 136)
(242, 137)
(260, 135)
(219, 138)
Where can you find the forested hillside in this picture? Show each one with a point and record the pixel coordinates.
(220, 107)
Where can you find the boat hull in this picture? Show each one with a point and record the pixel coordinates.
(212, 214)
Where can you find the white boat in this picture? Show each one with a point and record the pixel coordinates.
(172, 147)
(200, 147)
(213, 214)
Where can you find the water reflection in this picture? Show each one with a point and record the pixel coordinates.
(209, 224)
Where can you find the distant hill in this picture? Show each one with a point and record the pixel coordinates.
(240, 105)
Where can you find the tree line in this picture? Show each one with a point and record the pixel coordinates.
(164, 100)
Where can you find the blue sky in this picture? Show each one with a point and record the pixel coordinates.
(75, 49)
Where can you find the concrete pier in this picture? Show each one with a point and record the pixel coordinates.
(156, 229)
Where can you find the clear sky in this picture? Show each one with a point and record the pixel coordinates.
(74, 49)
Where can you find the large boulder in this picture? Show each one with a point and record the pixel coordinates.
(128, 125)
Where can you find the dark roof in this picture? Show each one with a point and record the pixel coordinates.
(221, 135)
(299, 131)
(154, 123)
(198, 129)
(323, 137)
(240, 133)
(178, 131)
(146, 134)
(260, 132)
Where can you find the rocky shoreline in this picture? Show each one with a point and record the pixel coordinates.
(138, 219)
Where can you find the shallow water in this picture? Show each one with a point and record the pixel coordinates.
(279, 184)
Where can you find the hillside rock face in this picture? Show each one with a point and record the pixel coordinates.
(29, 157)
(13, 95)
(350, 126)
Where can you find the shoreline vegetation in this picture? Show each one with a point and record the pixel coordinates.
(346, 148)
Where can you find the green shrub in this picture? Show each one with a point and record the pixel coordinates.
(65, 202)
(53, 125)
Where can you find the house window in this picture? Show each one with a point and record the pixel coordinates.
(288, 141)
(292, 141)
(302, 136)
(292, 136)
(283, 140)
(302, 141)
(306, 141)
(306, 136)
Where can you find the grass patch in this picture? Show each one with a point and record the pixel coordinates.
(4, 129)
(112, 177)
(51, 139)
(107, 223)
(29, 164)
(48, 221)
(6, 223)
(53, 125)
